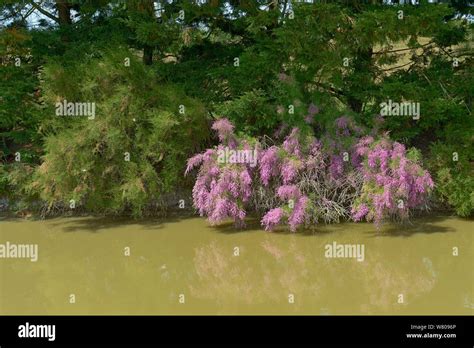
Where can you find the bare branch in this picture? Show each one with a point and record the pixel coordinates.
(44, 12)
(403, 49)
(398, 67)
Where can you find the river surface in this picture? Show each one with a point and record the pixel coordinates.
(185, 266)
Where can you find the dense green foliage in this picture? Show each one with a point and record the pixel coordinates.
(132, 151)
(160, 71)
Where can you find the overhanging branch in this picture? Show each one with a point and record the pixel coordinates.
(44, 12)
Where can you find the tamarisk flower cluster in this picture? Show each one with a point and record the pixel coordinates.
(304, 179)
(312, 111)
(221, 189)
(284, 165)
(394, 181)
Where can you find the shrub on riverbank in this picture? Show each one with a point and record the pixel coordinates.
(305, 180)
(454, 174)
(127, 157)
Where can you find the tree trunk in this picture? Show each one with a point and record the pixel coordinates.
(363, 65)
(64, 15)
(146, 9)
(64, 12)
(147, 55)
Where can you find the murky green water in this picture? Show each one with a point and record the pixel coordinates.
(86, 257)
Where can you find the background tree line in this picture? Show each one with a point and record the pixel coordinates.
(247, 60)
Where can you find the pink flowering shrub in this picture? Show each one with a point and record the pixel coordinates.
(222, 190)
(319, 190)
(280, 170)
(302, 181)
(394, 181)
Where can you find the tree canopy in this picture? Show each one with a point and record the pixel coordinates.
(159, 72)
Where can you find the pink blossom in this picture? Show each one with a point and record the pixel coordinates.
(193, 162)
(286, 192)
(297, 217)
(313, 109)
(336, 167)
(223, 127)
(289, 171)
(272, 218)
(381, 173)
(342, 122)
(283, 77)
(291, 144)
(268, 164)
(309, 119)
(360, 212)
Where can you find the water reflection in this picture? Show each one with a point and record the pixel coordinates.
(271, 273)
